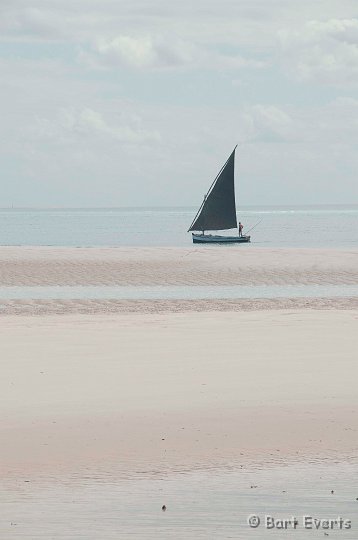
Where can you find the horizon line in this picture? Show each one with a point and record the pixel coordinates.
(284, 205)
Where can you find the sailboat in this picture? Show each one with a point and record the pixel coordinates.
(218, 209)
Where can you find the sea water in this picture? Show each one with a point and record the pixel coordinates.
(300, 226)
(174, 292)
(210, 504)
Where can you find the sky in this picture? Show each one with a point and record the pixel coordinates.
(140, 102)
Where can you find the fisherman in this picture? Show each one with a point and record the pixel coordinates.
(240, 228)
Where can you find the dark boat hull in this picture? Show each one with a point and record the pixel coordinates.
(216, 239)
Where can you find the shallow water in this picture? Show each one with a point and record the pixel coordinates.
(175, 292)
(212, 504)
(305, 226)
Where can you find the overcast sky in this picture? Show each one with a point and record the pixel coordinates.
(139, 102)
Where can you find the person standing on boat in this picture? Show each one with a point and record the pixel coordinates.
(240, 228)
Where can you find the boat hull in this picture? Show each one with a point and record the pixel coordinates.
(216, 239)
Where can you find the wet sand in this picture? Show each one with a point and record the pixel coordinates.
(172, 390)
(35, 307)
(210, 265)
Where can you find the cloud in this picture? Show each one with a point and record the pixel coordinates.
(269, 123)
(88, 126)
(162, 52)
(144, 52)
(31, 23)
(334, 123)
(131, 34)
(128, 131)
(323, 52)
(110, 17)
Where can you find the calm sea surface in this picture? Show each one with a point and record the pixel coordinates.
(174, 292)
(319, 226)
(211, 505)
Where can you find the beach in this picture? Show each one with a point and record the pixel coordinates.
(199, 374)
(210, 265)
(172, 390)
(163, 387)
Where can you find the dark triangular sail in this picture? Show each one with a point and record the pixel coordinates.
(218, 210)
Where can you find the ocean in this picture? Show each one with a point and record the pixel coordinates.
(289, 226)
(208, 504)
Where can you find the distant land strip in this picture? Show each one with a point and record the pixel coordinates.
(88, 307)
